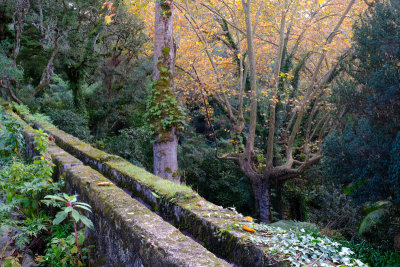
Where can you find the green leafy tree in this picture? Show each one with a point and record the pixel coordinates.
(362, 155)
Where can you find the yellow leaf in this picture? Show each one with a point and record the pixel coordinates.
(249, 218)
(108, 19)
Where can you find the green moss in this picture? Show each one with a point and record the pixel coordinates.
(109, 158)
(4, 103)
(90, 151)
(161, 186)
(165, 51)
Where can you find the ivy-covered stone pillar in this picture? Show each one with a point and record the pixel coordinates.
(164, 113)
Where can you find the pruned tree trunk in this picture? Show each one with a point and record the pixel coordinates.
(164, 104)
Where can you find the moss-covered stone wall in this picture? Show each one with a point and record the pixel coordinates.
(218, 229)
(126, 232)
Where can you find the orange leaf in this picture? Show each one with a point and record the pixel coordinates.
(105, 184)
(248, 229)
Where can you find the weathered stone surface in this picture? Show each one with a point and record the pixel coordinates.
(28, 261)
(179, 204)
(127, 233)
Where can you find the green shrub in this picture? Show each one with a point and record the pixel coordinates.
(374, 256)
(25, 184)
(219, 181)
(71, 122)
(134, 145)
(12, 143)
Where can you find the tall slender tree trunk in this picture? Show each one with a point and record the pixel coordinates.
(22, 9)
(166, 136)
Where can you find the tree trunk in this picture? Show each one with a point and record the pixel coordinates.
(5, 85)
(265, 202)
(22, 9)
(166, 157)
(166, 136)
(48, 71)
(75, 84)
(4, 20)
(79, 102)
(256, 186)
(253, 78)
(277, 200)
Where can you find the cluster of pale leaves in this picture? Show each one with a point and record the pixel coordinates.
(303, 248)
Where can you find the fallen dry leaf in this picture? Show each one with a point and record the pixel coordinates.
(248, 229)
(105, 184)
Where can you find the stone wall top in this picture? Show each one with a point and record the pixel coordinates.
(222, 231)
(126, 232)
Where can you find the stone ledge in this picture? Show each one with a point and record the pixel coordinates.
(124, 225)
(179, 204)
(126, 232)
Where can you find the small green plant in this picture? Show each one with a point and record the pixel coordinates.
(24, 186)
(70, 210)
(62, 251)
(11, 262)
(27, 185)
(11, 139)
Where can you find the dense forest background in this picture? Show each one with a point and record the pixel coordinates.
(86, 66)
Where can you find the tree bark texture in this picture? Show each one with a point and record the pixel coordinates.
(166, 142)
(166, 157)
(22, 9)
